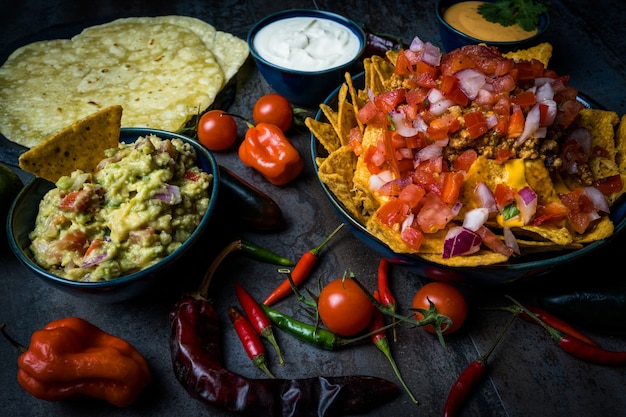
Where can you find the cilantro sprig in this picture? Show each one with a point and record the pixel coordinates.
(509, 12)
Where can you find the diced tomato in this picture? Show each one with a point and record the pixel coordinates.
(493, 242)
(392, 212)
(516, 123)
(454, 61)
(609, 185)
(579, 207)
(434, 214)
(76, 200)
(412, 237)
(475, 123)
(74, 240)
(192, 176)
(417, 97)
(452, 91)
(600, 151)
(529, 70)
(451, 183)
(403, 65)
(465, 160)
(369, 114)
(389, 100)
(503, 154)
(372, 166)
(355, 140)
(427, 172)
(526, 99)
(551, 212)
(504, 194)
(411, 195)
(424, 79)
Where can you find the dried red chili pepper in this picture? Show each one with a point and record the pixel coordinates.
(300, 272)
(469, 378)
(72, 358)
(266, 149)
(197, 361)
(257, 317)
(249, 338)
(379, 338)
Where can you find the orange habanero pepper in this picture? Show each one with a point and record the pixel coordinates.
(72, 358)
(266, 149)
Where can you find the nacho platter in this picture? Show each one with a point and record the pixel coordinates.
(531, 265)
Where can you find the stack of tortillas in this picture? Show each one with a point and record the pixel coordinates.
(161, 70)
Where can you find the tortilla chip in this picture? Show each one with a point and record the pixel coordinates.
(480, 258)
(356, 101)
(346, 117)
(325, 133)
(80, 146)
(336, 171)
(541, 52)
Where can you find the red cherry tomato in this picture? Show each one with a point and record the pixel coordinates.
(217, 130)
(448, 300)
(344, 308)
(274, 109)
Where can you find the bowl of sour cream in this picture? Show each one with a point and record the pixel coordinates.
(461, 23)
(303, 54)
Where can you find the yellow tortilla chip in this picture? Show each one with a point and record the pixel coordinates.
(325, 133)
(541, 52)
(346, 118)
(79, 146)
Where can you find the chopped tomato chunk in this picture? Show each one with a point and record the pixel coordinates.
(475, 123)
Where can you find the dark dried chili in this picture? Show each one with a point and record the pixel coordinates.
(196, 351)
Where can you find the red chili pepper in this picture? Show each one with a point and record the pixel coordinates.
(300, 271)
(589, 353)
(382, 343)
(386, 296)
(257, 317)
(556, 323)
(469, 378)
(249, 338)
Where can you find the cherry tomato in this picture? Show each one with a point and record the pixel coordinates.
(448, 300)
(344, 308)
(274, 109)
(217, 130)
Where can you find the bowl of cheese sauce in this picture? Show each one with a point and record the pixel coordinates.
(460, 23)
(304, 53)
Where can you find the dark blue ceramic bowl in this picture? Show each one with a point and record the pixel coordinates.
(452, 38)
(304, 88)
(23, 212)
(519, 270)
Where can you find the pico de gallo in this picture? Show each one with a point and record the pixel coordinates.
(439, 112)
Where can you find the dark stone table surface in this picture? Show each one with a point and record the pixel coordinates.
(528, 375)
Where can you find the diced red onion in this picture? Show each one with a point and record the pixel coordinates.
(440, 107)
(460, 241)
(402, 128)
(486, 197)
(377, 180)
(510, 240)
(544, 92)
(597, 198)
(531, 124)
(429, 152)
(470, 81)
(416, 44)
(432, 54)
(526, 203)
(475, 218)
(169, 194)
(492, 120)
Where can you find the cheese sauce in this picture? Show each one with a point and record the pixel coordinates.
(464, 17)
(307, 44)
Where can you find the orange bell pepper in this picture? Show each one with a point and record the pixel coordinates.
(72, 358)
(266, 149)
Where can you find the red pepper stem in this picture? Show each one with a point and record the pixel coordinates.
(383, 345)
(14, 342)
(203, 290)
(316, 250)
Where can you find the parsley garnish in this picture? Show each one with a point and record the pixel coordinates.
(509, 12)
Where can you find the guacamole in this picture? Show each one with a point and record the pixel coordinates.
(141, 203)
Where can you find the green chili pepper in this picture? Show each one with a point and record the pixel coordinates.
(263, 254)
(309, 333)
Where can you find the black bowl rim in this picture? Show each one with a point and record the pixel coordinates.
(544, 23)
(126, 134)
(283, 14)
(547, 262)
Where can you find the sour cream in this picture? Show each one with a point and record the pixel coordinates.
(307, 44)
(464, 17)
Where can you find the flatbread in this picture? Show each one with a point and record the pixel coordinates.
(79, 146)
(161, 70)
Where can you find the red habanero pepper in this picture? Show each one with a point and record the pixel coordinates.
(72, 358)
(257, 317)
(469, 378)
(267, 149)
(249, 338)
(300, 272)
(379, 337)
